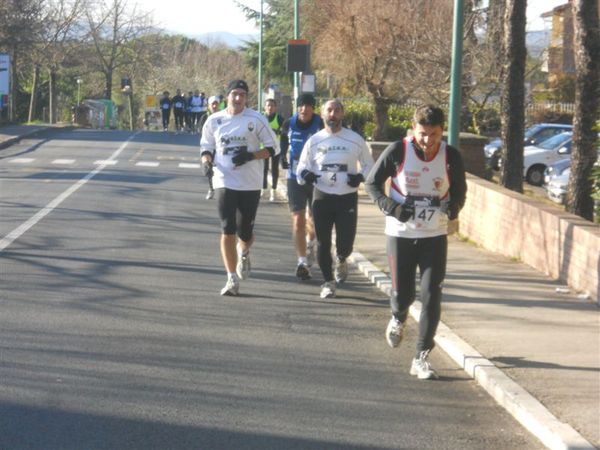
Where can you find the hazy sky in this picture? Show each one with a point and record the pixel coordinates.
(200, 16)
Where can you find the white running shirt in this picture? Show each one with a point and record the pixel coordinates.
(333, 157)
(226, 135)
(428, 182)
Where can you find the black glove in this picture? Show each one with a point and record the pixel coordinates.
(354, 179)
(242, 158)
(207, 168)
(285, 164)
(452, 212)
(406, 210)
(309, 176)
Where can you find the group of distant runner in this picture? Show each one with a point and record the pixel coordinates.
(327, 163)
(189, 111)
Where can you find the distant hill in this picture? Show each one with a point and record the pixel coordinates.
(536, 42)
(224, 37)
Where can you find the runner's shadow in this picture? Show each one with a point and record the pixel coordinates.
(512, 361)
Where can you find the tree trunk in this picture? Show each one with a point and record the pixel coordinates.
(587, 84)
(52, 95)
(108, 90)
(381, 118)
(34, 89)
(513, 95)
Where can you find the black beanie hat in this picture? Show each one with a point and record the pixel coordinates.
(306, 99)
(237, 84)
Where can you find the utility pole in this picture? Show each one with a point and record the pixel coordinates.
(296, 37)
(260, 63)
(456, 74)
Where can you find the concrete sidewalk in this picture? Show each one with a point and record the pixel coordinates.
(536, 351)
(10, 134)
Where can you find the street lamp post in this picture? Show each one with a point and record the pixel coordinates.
(79, 81)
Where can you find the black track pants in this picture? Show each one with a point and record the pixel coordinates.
(330, 210)
(429, 255)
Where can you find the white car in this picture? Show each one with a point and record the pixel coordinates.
(557, 187)
(536, 158)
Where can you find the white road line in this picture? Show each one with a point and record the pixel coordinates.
(106, 162)
(147, 164)
(63, 161)
(21, 229)
(189, 165)
(21, 160)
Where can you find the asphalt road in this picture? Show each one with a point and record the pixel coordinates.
(113, 334)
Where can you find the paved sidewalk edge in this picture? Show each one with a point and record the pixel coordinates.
(12, 140)
(513, 398)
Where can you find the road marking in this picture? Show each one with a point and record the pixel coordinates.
(189, 165)
(147, 164)
(21, 160)
(25, 226)
(63, 161)
(106, 162)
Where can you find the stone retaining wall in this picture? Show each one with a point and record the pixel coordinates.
(554, 242)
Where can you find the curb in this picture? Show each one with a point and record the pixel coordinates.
(527, 410)
(12, 140)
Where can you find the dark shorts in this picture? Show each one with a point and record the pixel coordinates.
(299, 196)
(237, 211)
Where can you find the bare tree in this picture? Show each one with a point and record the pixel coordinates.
(55, 46)
(115, 33)
(394, 53)
(513, 94)
(21, 25)
(587, 85)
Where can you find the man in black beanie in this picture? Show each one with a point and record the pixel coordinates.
(295, 131)
(230, 149)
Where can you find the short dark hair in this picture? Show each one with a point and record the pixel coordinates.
(306, 99)
(429, 115)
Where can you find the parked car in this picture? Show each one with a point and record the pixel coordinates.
(556, 189)
(537, 158)
(556, 169)
(533, 135)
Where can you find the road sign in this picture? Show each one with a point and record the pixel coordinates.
(4, 74)
(298, 55)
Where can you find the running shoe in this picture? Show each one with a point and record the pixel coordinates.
(311, 253)
(272, 196)
(341, 271)
(394, 332)
(328, 289)
(422, 368)
(243, 266)
(210, 194)
(303, 272)
(232, 287)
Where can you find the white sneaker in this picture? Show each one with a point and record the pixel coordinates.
(210, 194)
(272, 196)
(243, 266)
(263, 192)
(232, 287)
(311, 253)
(394, 332)
(328, 289)
(303, 272)
(341, 271)
(422, 368)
